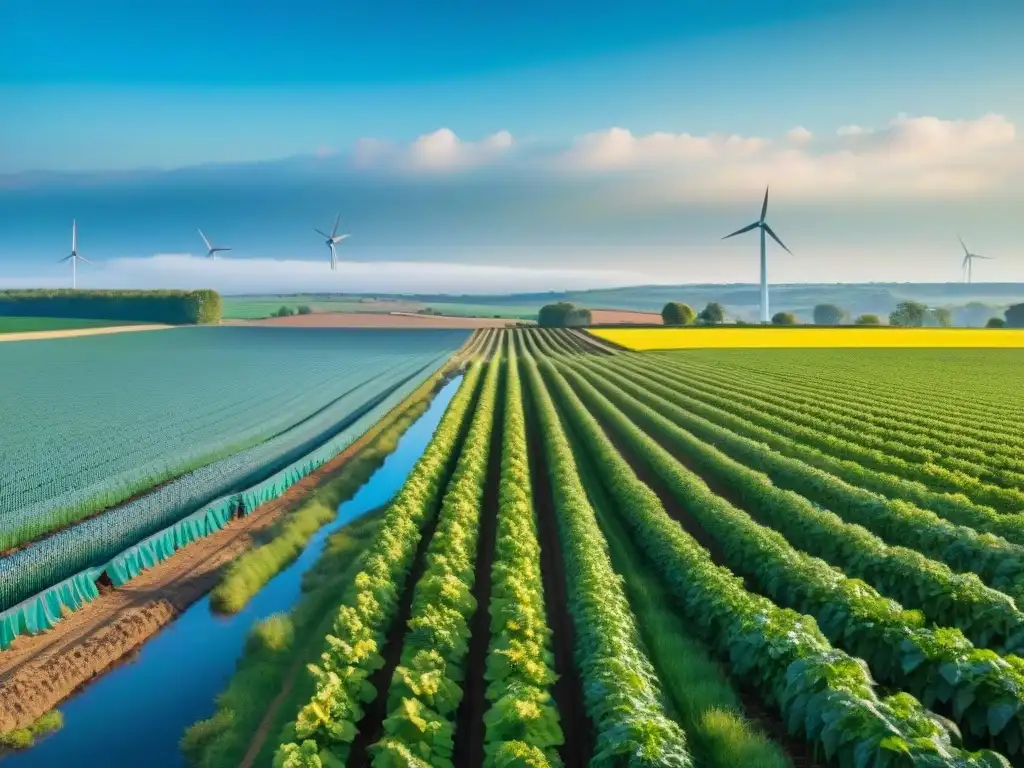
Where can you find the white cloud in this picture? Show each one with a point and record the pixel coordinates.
(286, 275)
(441, 150)
(799, 135)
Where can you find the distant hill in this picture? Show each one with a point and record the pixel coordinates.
(972, 304)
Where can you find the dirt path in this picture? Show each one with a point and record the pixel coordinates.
(38, 672)
(70, 332)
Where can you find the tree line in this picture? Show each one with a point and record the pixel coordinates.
(171, 307)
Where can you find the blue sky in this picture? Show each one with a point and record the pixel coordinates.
(112, 86)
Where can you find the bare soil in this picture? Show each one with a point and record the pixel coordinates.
(376, 320)
(623, 316)
(69, 332)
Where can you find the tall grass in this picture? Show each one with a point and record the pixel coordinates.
(23, 738)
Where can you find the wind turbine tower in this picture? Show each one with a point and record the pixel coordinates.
(763, 226)
(332, 241)
(73, 257)
(211, 252)
(968, 261)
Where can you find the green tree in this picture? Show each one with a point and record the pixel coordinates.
(942, 316)
(562, 314)
(910, 314)
(867, 320)
(995, 322)
(677, 313)
(783, 318)
(1014, 316)
(828, 314)
(305, 309)
(712, 314)
(976, 313)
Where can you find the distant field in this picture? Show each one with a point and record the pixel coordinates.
(260, 307)
(377, 320)
(645, 339)
(29, 324)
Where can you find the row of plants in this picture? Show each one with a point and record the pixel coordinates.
(985, 457)
(998, 488)
(998, 562)
(522, 722)
(770, 430)
(426, 687)
(327, 723)
(823, 695)
(620, 689)
(983, 692)
(988, 616)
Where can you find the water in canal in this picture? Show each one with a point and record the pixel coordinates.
(136, 714)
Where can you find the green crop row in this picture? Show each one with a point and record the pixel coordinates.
(327, 723)
(984, 691)
(816, 427)
(426, 687)
(987, 457)
(928, 534)
(522, 722)
(620, 687)
(988, 617)
(997, 562)
(822, 693)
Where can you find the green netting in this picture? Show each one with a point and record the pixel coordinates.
(42, 611)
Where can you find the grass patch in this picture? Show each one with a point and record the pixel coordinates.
(700, 693)
(277, 647)
(288, 537)
(23, 738)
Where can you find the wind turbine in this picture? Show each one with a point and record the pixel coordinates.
(763, 226)
(211, 252)
(73, 257)
(969, 260)
(332, 241)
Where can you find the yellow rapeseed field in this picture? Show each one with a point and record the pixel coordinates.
(643, 339)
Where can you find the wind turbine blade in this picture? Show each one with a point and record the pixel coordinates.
(222, 249)
(979, 256)
(966, 252)
(74, 235)
(61, 261)
(966, 261)
(776, 239)
(207, 242)
(339, 238)
(764, 205)
(321, 233)
(334, 231)
(747, 228)
(82, 258)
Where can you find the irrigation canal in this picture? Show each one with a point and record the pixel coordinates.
(136, 714)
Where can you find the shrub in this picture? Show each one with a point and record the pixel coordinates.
(783, 318)
(562, 314)
(305, 309)
(712, 314)
(995, 322)
(677, 313)
(828, 314)
(867, 320)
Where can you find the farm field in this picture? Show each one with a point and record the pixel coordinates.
(647, 339)
(396, 320)
(10, 324)
(162, 426)
(252, 308)
(602, 555)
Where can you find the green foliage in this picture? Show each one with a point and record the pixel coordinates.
(351, 654)
(678, 313)
(23, 738)
(172, 307)
(940, 316)
(995, 322)
(909, 313)
(304, 309)
(783, 318)
(563, 314)
(828, 314)
(426, 687)
(522, 716)
(823, 694)
(935, 665)
(867, 319)
(285, 311)
(1014, 316)
(620, 687)
(712, 314)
